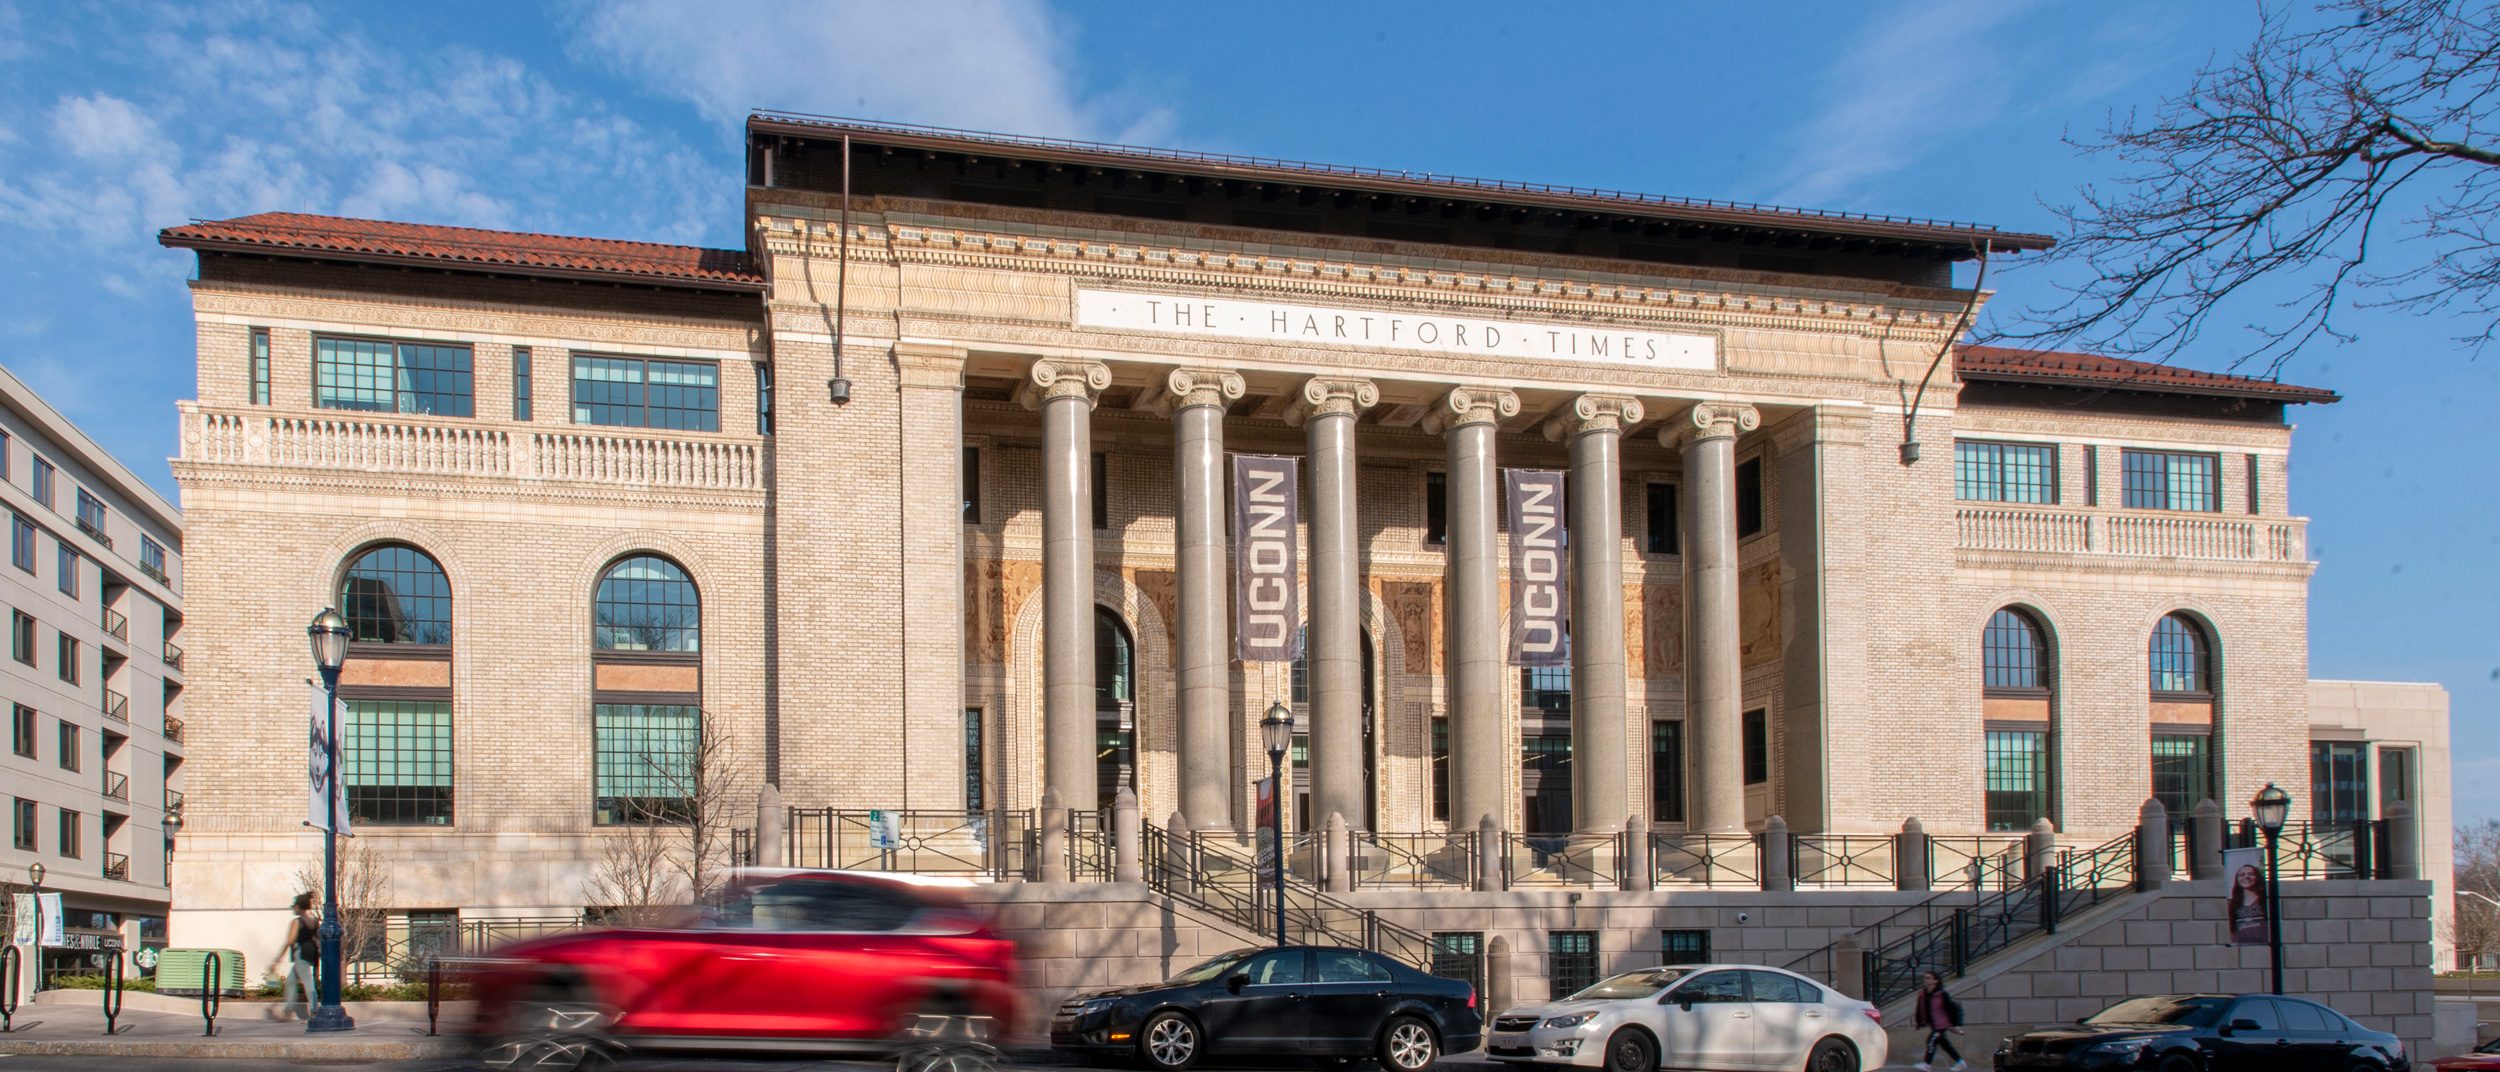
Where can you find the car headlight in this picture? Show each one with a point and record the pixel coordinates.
(1098, 1004)
(1570, 1020)
(2123, 1047)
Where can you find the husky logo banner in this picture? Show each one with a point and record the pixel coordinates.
(1538, 609)
(1267, 607)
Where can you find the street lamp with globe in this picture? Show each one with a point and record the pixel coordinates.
(328, 633)
(2270, 807)
(1276, 732)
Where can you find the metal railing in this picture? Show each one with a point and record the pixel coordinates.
(2309, 850)
(173, 655)
(156, 574)
(116, 785)
(1220, 876)
(1844, 861)
(1950, 945)
(117, 866)
(404, 956)
(1416, 861)
(1706, 860)
(1562, 859)
(173, 729)
(991, 844)
(95, 532)
(173, 800)
(116, 624)
(742, 847)
(116, 705)
(1975, 861)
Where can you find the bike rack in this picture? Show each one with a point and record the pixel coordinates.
(8, 988)
(433, 993)
(113, 994)
(212, 986)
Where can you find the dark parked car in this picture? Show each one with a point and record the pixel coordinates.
(2210, 1033)
(1304, 1001)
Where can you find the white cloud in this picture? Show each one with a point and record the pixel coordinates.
(998, 65)
(1916, 76)
(100, 127)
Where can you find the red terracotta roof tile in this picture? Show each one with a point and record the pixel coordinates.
(378, 241)
(2006, 364)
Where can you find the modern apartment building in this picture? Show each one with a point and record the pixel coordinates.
(94, 676)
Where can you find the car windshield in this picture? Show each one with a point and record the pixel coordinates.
(2186, 1012)
(1210, 969)
(1639, 984)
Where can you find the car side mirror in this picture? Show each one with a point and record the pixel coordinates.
(1685, 1003)
(1235, 983)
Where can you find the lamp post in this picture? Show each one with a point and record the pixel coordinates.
(329, 649)
(2270, 807)
(1276, 731)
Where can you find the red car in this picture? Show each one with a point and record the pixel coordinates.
(821, 961)
(2485, 1057)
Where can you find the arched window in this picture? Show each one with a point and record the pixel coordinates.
(2014, 654)
(396, 594)
(1115, 706)
(2180, 661)
(646, 603)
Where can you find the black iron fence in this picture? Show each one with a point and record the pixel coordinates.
(1220, 875)
(972, 844)
(1416, 861)
(2309, 851)
(2078, 880)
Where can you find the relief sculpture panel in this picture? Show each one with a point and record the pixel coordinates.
(1416, 606)
(993, 592)
(1758, 614)
(1654, 619)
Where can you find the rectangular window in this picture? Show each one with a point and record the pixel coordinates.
(6, 471)
(2091, 475)
(1662, 520)
(22, 730)
(520, 383)
(1545, 688)
(22, 825)
(1684, 947)
(398, 767)
(2005, 472)
(972, 485)
(2182, 772)
(1102, 490)
(69, 658)
(70, 829)
(1441, 769)
(634, 392)
(763, 399)
(22, 637)
(643, 762)
(43, 482)
(91, 517)
(1459, 955)
(976, 768)
(69, 570)
(2017, 779)
(260, 366)
(392, 377)
(1757, 746)
(2339, 777)
(1572, 961)
(22, 542)
(69, 745)
(152, 559)
(1666, 771)
(1748, 497)
(1436, 508)
(2252, 483)
(2161, 481)
(2395, 778)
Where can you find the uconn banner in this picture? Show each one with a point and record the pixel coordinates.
(1267, 604)
(1538, 611)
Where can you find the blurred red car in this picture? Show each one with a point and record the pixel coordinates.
(2484, 1057)
(821, 961)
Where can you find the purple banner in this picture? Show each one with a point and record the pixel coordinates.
(1539, 611)
(1267, 559)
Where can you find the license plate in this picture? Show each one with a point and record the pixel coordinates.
(1508, 1039)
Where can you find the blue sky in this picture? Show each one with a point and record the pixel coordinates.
(621, 121)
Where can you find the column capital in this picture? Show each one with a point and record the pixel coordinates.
(1471, 405)
(1710, 420)
(1183, 388)
(1053, 377)
(1322, 395)
(925, 364)
(1593, 413)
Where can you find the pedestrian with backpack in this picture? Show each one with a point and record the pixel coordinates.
(1942, 1017)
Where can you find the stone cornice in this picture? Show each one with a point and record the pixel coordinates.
(926, 364)
(1062, 378)
(1710, 420)
(1471, 405)
(1593, 413)
(455, 489)
(2133, 565)
(1323, 395)
(1183, 388)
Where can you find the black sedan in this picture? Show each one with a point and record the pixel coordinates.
(1303, 1001)
(2210, 1033)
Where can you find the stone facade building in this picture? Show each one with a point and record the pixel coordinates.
(921, 501)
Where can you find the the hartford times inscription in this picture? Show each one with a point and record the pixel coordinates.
(1320, 325)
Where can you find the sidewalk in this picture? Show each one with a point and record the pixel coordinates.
(244, 1031)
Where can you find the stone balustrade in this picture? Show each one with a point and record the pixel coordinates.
(400, 443)
(2135, 534)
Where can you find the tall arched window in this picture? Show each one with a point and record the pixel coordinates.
(398, 746)
(1115, 706)
(2180, 668)
(647, 725)
(2015, 693)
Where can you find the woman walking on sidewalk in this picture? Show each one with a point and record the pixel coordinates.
(303, 946)
(1942, 1017)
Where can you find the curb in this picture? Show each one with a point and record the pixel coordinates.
(264, 1049)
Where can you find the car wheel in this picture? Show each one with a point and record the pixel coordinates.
(1631, 1050)
(554, 1030)
(1832, 1055)
(1406, 1045)
(2177, 1062)
(1170, 1042)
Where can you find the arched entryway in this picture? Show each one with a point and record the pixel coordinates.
(1115, 706)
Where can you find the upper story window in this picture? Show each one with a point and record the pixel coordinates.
(1662, 523)
(2005, 472)
(763, 399)
(2012, 650)
(636, 392)
(392, 377)
(647, 603)
(520, 383)
(2164, 481)
(2180, 658)
(69, 571)
(1547, 688)
(5, 468)
(396, 594)
(1748, 497)
(22, 542)
(43, 481)
(1436, 508)
(91, 516)
(152, 559)
(260, 366)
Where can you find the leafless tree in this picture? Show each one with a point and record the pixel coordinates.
(2280, 176)
(671, 848)
(364, 900)
(2473, 923)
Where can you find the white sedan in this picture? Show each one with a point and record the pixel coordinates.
(1704, 1016)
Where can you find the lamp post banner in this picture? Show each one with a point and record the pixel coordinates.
(1267, 559)
(1539, 573)
(22, 919)
(52, 931)
(2246, 895)
(325, 786)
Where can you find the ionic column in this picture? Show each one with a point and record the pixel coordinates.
(1195, 399)
(1064, 391)
(1326, 407)
(1478, 753)
(1713, 678)
(1601, 786)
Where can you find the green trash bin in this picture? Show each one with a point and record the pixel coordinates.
(185, 972)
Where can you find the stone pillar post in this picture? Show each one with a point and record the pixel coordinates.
(1480, 754)
(772, 821)
(2152, 846)
(1497, 982)
(1175, 862)
(1052, 844)
(2404, 842)
(2039, 850)
(1337, 849)
(1489, 848)
(1849, 967)
(1777, 875)
(1128, 842)
(1912, 867)
(1601, 780)
(1195, 399)
(1713, 671)
(1326, 408)
(2205, 841)
(1065, 391)
(1638, 873)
